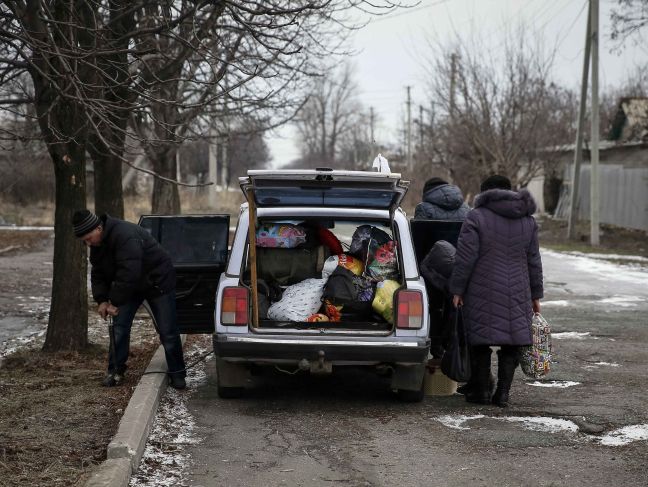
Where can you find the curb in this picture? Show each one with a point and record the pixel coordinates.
(125, 450)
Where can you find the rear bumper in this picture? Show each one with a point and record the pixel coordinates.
(265, 347)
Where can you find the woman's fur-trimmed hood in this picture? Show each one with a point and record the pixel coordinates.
(510, 204)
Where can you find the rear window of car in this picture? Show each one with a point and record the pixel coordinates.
(318, 196)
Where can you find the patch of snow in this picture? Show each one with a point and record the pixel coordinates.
(587, 264)
(559, 384)
(632, 258)
(555, 303)
(456, 422)
(544, 424)
(609, 364)
(625, 435)
(14, 344)
(165, 461)
(578, 335)
(623, 301)
(12, 227)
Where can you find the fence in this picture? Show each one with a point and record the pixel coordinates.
(623, 196)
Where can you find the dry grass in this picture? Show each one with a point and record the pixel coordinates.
(613, 240)
(42, 214)
(56, 420)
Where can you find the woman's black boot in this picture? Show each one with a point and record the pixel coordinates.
(480, 390)
(507, 361)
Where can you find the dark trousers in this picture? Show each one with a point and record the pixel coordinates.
(163, 309)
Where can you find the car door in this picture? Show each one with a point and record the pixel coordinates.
(198, 247)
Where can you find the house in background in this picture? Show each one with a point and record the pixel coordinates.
(623, 171)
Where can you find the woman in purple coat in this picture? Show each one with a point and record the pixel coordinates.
(497, 279)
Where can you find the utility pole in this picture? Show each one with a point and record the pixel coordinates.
(594, 176)
(453, 82)
(420, 128)
(578, 150)
(409, 128)
(371, 126)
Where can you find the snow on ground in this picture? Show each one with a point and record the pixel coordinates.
(559, 384)
(625, 435)
(576, 335)
(618, 437)
(623, 301)
(165, 461)
(13, 227)
(588, 264)
(627, 258)
(534, 423)
(560, 302)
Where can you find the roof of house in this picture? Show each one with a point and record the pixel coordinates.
(631, 120)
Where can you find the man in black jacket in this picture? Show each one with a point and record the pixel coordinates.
(128, 267)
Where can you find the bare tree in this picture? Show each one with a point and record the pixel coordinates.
(628, 20)
(328, 116)
(89, 64)
(496, 115)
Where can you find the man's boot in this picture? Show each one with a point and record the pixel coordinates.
(480, 375)
(507, 361)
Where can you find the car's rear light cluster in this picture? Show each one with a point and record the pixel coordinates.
(234, 306)
(409, 305)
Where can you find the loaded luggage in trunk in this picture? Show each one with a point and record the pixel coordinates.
(322, 275)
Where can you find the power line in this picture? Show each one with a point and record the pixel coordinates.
(406, 12)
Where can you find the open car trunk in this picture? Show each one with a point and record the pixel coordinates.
(326, 275)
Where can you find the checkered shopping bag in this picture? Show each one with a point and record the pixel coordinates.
(535, 360)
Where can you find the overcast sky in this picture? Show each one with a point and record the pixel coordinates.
(392, 51)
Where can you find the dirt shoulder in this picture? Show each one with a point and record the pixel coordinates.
(56, 420)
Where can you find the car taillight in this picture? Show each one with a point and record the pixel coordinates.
(234, 306)
(409, 309)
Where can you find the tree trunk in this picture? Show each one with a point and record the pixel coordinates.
(67, 329)
(551, 192)
(108, 193)
(165, 198)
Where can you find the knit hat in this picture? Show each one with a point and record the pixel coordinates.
(84, 222)
(495, 182)
(432, 182)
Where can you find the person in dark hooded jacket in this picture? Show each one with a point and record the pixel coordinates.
(497, 279)
(436, 269)
(128, 267)
(441, 201)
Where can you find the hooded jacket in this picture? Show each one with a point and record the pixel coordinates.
(437, 265)
(443, 202)
(498, 269)
(129, 264)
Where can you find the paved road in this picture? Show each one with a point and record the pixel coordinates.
(25, 290)
(349, 429)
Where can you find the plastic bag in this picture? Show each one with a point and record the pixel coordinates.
(298, 301)
(381, 261)
(535, 360)
(383, 302)
(455, 362)
(282, 235)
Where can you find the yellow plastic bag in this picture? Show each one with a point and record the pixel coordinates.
(383, 302)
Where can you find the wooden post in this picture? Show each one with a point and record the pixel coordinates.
(594, 159)
(252, 257)
(578, 151)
